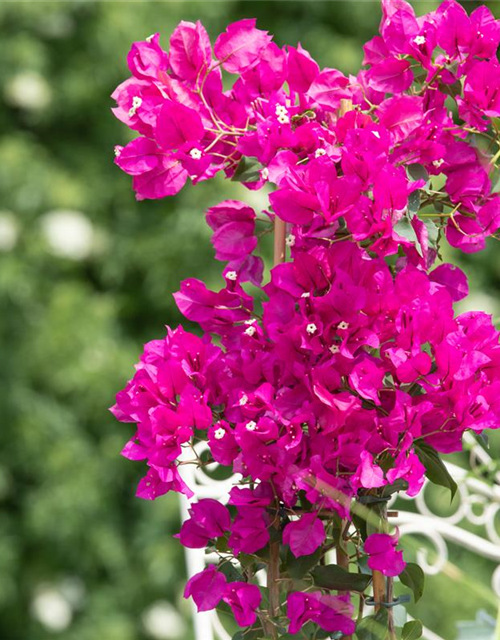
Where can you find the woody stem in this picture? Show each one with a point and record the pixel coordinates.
(273, 568)
(343, 557)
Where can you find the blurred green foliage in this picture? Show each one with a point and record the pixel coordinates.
(86, 276)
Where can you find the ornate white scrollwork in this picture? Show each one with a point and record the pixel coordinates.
(478, 503)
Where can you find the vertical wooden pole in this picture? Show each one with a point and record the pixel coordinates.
(273, 568)
(343, 558)
(279, 241)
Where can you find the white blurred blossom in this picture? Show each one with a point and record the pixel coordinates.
(28, 90)
(69, 234)
(9, 231)
(51, 609)
(162, 622)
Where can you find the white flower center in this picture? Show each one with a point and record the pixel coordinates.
(251, 426)
(250, 331)
(280, 110)
(290, 240)
(219, 433)
(319, 152)
(311, 328)
(419, 40)
(243, 400)
(334, 348)
(195, 154)
(343, 325)
(231, 275)
(264, 174)
(136, 103)
(283, 118)
(306, 294)
(438, 163)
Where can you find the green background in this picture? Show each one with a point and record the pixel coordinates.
(86, 277)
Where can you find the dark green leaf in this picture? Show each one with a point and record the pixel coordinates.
(397, 486)
(231, 572)
(221, 545)
(248, 170)
(373, 627)
(298, 567)
(334, 577)
(412, 630)
(417, 172)
(413, 577)
(435, 468)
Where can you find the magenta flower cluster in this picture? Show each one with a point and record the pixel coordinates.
(355, 373)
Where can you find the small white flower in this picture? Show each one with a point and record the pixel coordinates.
(251, 426)
(343, 325)
(283, 118)
(250, 331)
(219, 433)
(419, 40)
(243, 400)
(306, 294)
(311, 328)
(150, 38)
(334, 349)
(195, 154)
(280, 109)
(136, 103)
(251, 321)
(117, 151)
(438, 163)
(319, 152)
(232, 275)
(290, 240)
(264, 174)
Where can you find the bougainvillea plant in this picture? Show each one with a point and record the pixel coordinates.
(354, 375)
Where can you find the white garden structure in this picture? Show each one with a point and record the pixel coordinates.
(478, 504)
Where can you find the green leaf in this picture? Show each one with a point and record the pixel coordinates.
(432, 232)
(231, 572)
(373, 627)
(298, 567)
(435, 468)
(405, 230)
(248, 170)
(398, 485)
(417, 172)
(414, 202)
(221, 545)
(412, 630)
(334, 577)
(413, 577)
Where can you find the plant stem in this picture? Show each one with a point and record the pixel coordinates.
(273, 568)
(391, 629)
(342, 557)
(273, 574)
(279, 241)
